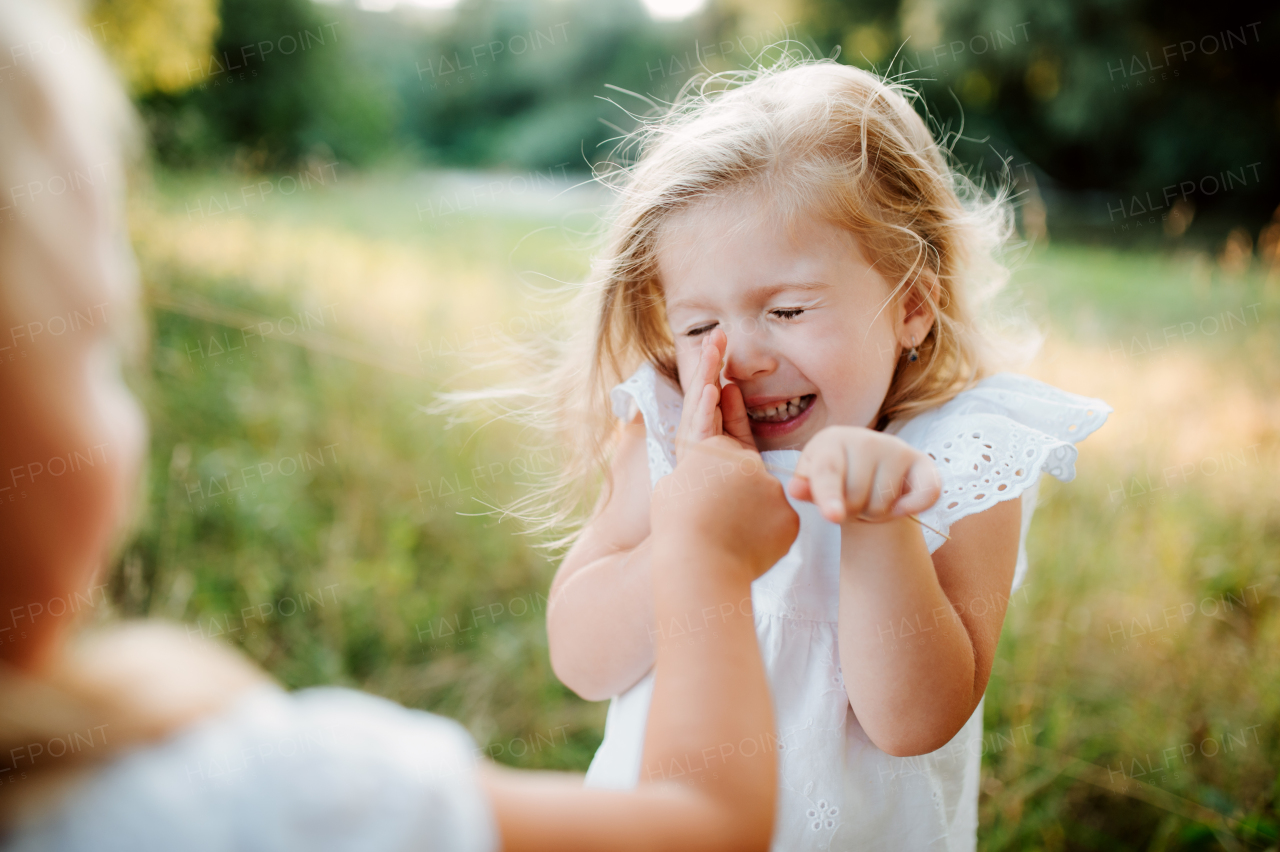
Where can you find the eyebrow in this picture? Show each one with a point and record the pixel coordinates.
(763, 292)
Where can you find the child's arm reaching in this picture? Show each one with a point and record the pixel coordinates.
(711, 538)
(914, 669)
(600, 609)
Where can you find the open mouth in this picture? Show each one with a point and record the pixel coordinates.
(780, 412)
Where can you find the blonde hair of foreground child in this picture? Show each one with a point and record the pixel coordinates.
(68, 307)
(810, 136)
(68, 299)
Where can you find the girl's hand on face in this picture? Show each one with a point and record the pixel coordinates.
(710, 410)
(852, 473)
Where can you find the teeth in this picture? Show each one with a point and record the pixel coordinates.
(779, 411)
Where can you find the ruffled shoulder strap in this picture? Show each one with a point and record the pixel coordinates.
(991, 442)
(659, 401)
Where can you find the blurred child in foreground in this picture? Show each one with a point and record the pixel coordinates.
(107, 739)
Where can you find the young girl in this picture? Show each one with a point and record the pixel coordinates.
(792, 263)
(136, 738)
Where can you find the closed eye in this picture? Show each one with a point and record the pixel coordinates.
(702, 329)
(787, 313)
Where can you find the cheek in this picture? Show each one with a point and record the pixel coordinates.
(121, 421)
(851, 370)
(872, 348)
(130, 424)
(85, 445)
(112, 418)
(686, 361)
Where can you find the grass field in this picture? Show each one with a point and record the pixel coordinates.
(302, 506)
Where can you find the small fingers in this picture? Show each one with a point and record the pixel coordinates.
(704, 374)
(887, 486)
(710, 355)
(923, 486)
(826, 481)
(718, 341)
(706, 420)
(694, 397)
(734, 409)
(799, 488)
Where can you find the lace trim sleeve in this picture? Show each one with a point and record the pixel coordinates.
(991, 444)
(658, 401)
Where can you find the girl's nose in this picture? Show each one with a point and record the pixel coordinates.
(747, 354)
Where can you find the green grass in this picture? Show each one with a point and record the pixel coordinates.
(351, 567)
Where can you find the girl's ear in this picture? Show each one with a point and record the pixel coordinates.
(917, 315)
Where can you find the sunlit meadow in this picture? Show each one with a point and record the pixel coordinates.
(302, 505)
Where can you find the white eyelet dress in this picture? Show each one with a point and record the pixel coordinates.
(837, 791)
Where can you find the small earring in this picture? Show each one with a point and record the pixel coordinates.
(913, 355)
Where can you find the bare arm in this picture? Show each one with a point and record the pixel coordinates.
(600, 612)
(918, 635)
(698, 789)
(600, 608)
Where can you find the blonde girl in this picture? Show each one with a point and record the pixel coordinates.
(791, 262)
(135, 738)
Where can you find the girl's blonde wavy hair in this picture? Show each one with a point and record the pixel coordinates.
(813, 137)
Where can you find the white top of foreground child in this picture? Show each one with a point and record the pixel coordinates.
(263, 776)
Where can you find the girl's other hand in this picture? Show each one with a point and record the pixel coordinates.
(852, 473)
(710, 410)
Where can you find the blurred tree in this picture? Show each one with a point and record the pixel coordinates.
(514, 83)
(154, 43)
(1093, 99)
(1106, 96)
(277, 86)
(517, 83)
